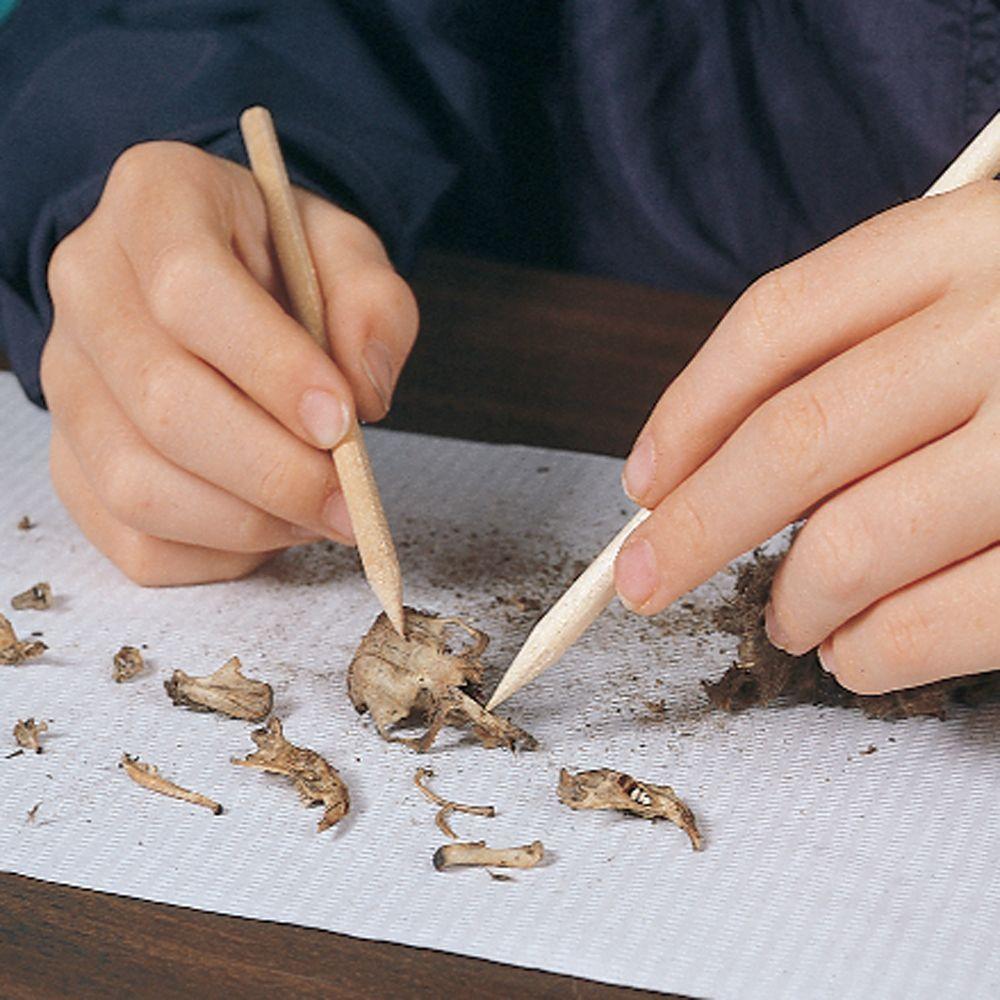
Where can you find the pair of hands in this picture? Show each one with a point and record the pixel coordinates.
(859, 384)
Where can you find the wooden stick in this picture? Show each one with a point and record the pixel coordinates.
(980, 160)
(591, 592)
(364, 505)
(594, 589)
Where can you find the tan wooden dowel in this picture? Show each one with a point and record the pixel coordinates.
(979, 161)
(357, 480)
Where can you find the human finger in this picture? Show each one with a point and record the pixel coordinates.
(934, 507)
(858, 412)
(187, 257)
(796, 318)
(148, 561)
(143, 490)
(945, 625)
(198, 420)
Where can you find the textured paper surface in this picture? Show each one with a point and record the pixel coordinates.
(826, 872)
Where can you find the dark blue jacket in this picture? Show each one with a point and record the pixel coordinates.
(689, 143)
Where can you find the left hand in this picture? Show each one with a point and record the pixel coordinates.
(858, 385)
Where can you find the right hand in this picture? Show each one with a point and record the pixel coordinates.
(191, 416)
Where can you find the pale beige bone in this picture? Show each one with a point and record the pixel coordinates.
(27, 734)
(477, 853)
(606, 789)
(14, 650)
(35, 598)
(447, 806)
(226, 691)
(126, 664)
(148, 775)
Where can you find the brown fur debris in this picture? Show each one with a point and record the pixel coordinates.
(763, 674)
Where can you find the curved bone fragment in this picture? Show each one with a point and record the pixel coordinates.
(148, 775)
(314, 779)
(607, 789)
(226, 691)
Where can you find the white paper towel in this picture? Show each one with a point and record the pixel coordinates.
(826, 872)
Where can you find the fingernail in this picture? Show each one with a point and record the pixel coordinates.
(636, 575)
(637, 476)
(825, 656)
(324, 416)
(775, 634)
(377, 363)
(336, 517)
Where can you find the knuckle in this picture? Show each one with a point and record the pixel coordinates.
(250, 532)
(146, 164)
(273, 483)
(795, 432)
(768, 306)
(134, 168)
(67, 268)
(839, 550)
(176, 277)
(160, 393)
(902, 640)
(382, 292)
(689, 525)
(122, 487)
(279, 354)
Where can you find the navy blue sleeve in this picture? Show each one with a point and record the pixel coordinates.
(82, 80)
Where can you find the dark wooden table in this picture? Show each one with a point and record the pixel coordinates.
(506, 354)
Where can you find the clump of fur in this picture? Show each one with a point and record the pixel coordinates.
(763, 674)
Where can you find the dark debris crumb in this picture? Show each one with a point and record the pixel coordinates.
(763, 674)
